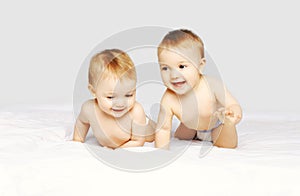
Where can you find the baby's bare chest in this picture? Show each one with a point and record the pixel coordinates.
(111, 132)
(196, 111)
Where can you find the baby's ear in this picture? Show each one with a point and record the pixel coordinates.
(202, 65)
(92, 90)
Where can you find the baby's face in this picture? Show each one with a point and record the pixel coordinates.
(116, 97)
(179, 71)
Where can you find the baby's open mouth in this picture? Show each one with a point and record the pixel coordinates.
(178, 84)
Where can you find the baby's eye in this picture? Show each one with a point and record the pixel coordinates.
(182, 66)
(164, 68)
(109, 97)
(129, 95)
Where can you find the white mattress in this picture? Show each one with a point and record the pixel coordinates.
(37, 158)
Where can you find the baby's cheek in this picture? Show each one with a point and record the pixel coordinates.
(131, 102)
(106, 103)
(165, 78)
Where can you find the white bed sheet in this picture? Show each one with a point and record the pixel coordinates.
(36, 158)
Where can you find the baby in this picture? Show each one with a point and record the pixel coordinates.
(205, 108)
(115, 117)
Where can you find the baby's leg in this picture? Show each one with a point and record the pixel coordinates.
(225, 135)
(184, 133)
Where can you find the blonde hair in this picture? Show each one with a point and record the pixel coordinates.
(111, 62)
(181, 38)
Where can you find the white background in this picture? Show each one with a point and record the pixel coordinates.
(254, 44)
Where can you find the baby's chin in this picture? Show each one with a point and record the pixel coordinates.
(179, 91)
(118, 114)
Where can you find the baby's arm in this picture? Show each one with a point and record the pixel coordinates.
(231, 108)
(229, 114)
(164, 124)
(82, 125)
(138, 128)
(150, 130)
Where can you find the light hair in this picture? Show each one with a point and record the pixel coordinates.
(111, 63)
(181, 38)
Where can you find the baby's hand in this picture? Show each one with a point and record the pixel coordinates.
(231, 114)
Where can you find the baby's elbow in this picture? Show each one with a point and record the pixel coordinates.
(78, 139)
(232, 146)
(226, 146)
(141, 141)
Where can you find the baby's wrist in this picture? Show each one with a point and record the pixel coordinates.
(228, 122)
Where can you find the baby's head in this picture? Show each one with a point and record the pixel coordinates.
(112, 81)
(181, 58)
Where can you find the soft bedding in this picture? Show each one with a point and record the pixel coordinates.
(38, 158)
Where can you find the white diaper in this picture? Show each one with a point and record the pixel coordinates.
(205, 135)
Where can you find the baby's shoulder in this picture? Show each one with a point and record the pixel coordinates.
(213, 81)
(169, 94)
(215, 85)
(169, 98)
(137, 113)
(86, 111)
(137, 109)
(87, 106)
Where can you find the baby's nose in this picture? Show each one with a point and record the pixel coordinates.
(120, 103)
(174, 74)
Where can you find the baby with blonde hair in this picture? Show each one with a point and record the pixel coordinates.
(204, 106)
(116, 118)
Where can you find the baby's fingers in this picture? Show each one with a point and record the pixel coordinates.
(234, 118)
(220, 114)
(229, 113)
(238, 118)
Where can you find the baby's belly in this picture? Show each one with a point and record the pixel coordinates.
(206, 122)
(200, 117)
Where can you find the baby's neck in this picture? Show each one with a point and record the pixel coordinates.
(199, 83)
